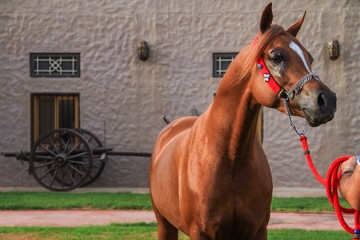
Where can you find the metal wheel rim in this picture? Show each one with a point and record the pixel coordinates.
(98, 162)
(55, 158)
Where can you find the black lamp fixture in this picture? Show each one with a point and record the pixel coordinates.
(143, 50)
(333, 49)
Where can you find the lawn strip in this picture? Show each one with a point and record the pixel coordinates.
(304, 204)
(144, 231)
(136, 201)
(66, 200)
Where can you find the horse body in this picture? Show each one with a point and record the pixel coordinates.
(207, 160)
(209, 176)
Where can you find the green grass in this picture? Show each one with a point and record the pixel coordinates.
(113, 231)
(298, 234)
(144, 231)
(306, 204)
(66, 200)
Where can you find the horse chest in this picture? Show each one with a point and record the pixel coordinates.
(231, 209)
(226, 222)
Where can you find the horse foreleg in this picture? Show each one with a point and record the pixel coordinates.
(261, 234)
(195, 234)
(166, 231)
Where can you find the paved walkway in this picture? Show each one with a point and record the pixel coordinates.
(278, 220)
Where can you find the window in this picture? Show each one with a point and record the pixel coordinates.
(52, 111)
(55, 64)
(221, 62)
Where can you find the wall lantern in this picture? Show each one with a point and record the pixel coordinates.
(143, 50)
(333, 49)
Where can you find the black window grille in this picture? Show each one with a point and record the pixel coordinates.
(221, 62)
(55, 64)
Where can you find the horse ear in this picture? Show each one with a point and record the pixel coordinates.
(266, 18)
(294, 29)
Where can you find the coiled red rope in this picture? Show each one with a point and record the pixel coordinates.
(332, 185)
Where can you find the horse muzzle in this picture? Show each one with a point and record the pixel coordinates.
(319, 107)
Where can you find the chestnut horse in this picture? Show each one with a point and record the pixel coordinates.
(209, 176)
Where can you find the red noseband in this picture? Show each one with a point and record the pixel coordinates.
(279, 91)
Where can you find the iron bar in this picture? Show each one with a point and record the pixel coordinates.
(98, 151)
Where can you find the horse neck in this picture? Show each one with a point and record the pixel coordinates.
(234, 113)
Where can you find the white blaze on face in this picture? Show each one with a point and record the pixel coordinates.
(299, 52)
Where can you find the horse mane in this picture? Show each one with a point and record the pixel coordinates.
(256, 50)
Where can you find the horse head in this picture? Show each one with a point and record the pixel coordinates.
(289, 66)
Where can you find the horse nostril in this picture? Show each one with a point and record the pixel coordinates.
(322, 102)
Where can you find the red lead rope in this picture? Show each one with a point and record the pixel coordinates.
(332, 184)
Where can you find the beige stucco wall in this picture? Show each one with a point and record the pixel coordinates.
(122, 99)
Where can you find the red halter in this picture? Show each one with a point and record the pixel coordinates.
(279, 91)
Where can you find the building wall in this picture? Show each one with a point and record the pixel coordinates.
(122, 99)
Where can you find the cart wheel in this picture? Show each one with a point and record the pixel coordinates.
(61, 160)
(99, 160)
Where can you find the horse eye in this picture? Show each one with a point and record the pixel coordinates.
(276, 57)
(311, 59)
